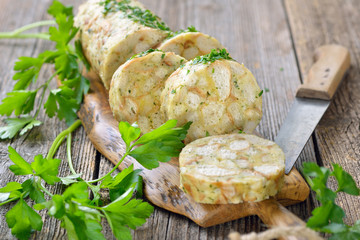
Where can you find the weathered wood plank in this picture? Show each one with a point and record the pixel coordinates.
(38, 140)
(314, 23)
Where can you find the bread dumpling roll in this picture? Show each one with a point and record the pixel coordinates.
(111, 37)
(231, 168)
(190, 44)
(218, 96)
(137, 85)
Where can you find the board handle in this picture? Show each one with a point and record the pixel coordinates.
(325, 75)
(272, 213)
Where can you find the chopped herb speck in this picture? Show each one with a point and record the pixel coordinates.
(261, 92)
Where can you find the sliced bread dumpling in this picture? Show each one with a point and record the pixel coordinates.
(190, 44)
(231, 168)
(218, 97)
(136, 87)
(110, 37)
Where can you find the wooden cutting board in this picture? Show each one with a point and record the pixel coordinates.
(161, 185)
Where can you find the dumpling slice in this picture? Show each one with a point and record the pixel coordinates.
(231, 168)
(214, 92)
(137, 85)
(190, 44)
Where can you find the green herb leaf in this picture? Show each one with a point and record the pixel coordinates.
(80, 54)
(215, 54)
(329, 216)
(19, 102)
(23, 220)
(50, 105)
(12, 190)
(144, 53)
(128, 133)
(47, 169)
(80, 220)
(27, 71)
(160, 144)
(124, 180)
(76, 191)
(149, 155)
(67, 106)
(35, 193)
(57, 8)
(10, 187)
(56, 206)
(125, 212)
(345, 181)
(70, 179)
(261, 93)
(166, 132)
(14, 125)
(30, 125)
(189, 29)
(21, 167)
(136, 14)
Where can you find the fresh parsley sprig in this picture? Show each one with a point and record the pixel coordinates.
(189, 29)
(215, 54)
(159, 145)
(67, 60)
(328, 218)
(80, 215)
(144, 53)
(136, 14)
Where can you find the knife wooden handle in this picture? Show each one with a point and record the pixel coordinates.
(324, 77)
(272, 213)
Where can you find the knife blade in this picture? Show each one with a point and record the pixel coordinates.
(312, 100)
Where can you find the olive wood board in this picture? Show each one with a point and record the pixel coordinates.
(161, 185)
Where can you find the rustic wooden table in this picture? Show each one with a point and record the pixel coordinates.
(275, 39)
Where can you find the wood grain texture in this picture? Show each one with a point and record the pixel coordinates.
(256, 33)
(315, 23)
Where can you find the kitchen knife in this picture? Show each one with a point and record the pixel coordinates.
(312, 99)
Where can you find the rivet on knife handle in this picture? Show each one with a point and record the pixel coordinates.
(312, 99)
(324, 77)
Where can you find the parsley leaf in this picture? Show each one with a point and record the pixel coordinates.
(80, 54)
(189, 29)
(125, 212)
(329, 216)
(28, 70)
(65, 106)
(57, 8)
(12, 190)
(30, 125)
(119, 184)
(345, 181)
(23, 220)
(47, 169)
(215, 54)
(21, 167)
(70, 179)
(14, 125)
(19, 102)
(79, 219)
(32, 187)
(128, 133)
(160, 144)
